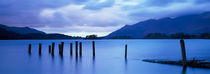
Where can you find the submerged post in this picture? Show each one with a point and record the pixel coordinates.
(71, 49)
(76, 45)
(29, 48)
(40, 48)
(49, 48)
(53, 46)
(183, 52)
(93, 48)
(126, 51)
(80, 48)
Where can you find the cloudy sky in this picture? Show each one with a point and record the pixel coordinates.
(85, 17)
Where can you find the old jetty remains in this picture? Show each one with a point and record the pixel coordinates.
(51, 48)
(93, 43)
(184, 61)
(126, 51)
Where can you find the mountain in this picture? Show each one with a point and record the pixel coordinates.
(5, 34)
(28, 33)
(21, 30)
(189, 24)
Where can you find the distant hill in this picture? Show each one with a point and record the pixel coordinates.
(21, 30)
(28, 33)
(189, 24)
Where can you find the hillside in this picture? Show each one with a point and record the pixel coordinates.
(28, 33)
(188, 24)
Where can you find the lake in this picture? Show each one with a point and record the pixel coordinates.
(109, 59)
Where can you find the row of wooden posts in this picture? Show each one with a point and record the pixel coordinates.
(61, 46)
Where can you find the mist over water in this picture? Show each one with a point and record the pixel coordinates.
(109, 59)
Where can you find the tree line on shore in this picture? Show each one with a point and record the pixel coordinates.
(168, 36)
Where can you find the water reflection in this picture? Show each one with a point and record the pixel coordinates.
(93, 65)
(40, 57)
(101, 63)
(77, 65)
(61, 64)
(61, 57)
(29, 54)
(76, 59)
(126, 63)
(184, 69)
(80, 59)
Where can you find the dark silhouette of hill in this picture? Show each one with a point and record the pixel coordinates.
(21, 30)
(28, 33)
(188, 24)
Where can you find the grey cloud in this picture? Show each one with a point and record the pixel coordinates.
(26, 12)
(162, 2)
(201, 1)
(97, 6)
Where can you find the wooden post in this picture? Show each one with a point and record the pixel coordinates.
(76, 45)
(62, 45)
(59, 46)
(183, 52)
(40, 48)
(49, 48)
(126, 51)
(29, 48)
(53, 46)
(60, 50)
(80, 48)
(71, 49)
(93, 48)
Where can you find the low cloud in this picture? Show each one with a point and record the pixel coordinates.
(107, 15)
(80, 30)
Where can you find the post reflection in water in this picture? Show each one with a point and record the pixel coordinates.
(126, 65)
(77, 66)
(61, 64)
(103, 62)
(93, 65)
(184, 69)
(80, 59)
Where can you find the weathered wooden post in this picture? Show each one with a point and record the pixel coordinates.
(49, 48)
(40, 48)
(29, 48)
(59, 49)
(126, 51)
(53, 46)
(71, 49)
(80, 48)
(93, 42)
(62, 45)
(184, 60)
(76, 46)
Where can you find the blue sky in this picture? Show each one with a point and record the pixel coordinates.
(85, 17)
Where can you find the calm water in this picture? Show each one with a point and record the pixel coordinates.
(14, 57)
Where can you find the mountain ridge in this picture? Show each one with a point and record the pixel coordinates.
(21, 30)
(28, 33)
(190, 24)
